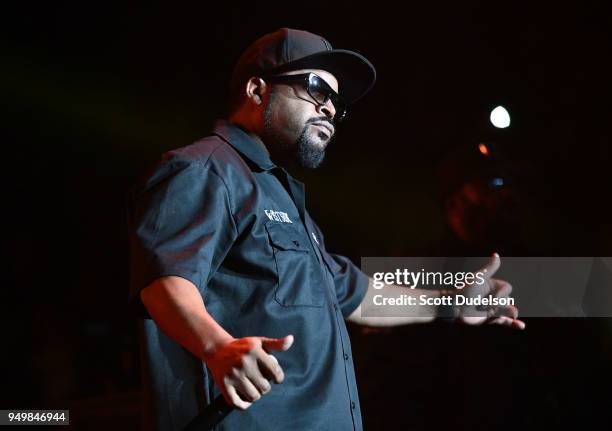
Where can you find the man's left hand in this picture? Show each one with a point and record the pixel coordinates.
(495, 315)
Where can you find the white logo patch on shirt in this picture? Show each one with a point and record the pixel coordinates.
(278, 216)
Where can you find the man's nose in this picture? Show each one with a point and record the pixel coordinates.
(328, 109)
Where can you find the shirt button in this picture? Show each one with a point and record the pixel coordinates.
(353, 405)
(335, 307)
(346, 356)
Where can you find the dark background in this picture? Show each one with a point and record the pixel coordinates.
(93, 94)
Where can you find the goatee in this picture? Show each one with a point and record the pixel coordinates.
(309, 155)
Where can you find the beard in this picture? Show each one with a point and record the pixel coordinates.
(304, 151)
(307, 153)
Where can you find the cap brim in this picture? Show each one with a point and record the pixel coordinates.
(355, 74)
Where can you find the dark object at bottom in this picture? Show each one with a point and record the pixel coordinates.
(212, 416)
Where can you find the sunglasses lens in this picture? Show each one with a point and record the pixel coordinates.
(317, 90)
(321, 92)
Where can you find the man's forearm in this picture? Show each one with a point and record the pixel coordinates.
(419, 313)
(241, 367)
(176, 306)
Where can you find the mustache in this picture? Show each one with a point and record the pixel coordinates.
(321, 120)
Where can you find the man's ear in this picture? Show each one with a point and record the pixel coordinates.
(255, 90)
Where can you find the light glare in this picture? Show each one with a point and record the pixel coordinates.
(500, 117)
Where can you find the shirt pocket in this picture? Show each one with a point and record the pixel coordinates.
(299, 279)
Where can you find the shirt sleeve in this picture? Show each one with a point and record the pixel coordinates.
(351, 284)
(180, 224)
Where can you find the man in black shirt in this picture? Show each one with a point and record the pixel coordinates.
(228, 267)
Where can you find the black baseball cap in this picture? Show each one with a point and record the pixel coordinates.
(288, 49)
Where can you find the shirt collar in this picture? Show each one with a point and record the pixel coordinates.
(242, 142)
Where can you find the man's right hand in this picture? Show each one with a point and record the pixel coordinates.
(243, 368)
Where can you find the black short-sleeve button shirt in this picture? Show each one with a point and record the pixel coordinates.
(220, 214)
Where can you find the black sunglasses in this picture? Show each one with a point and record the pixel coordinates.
(317, 88)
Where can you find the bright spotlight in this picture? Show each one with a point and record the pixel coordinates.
(500, 117)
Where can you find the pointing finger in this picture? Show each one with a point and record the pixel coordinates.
(492, 266)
